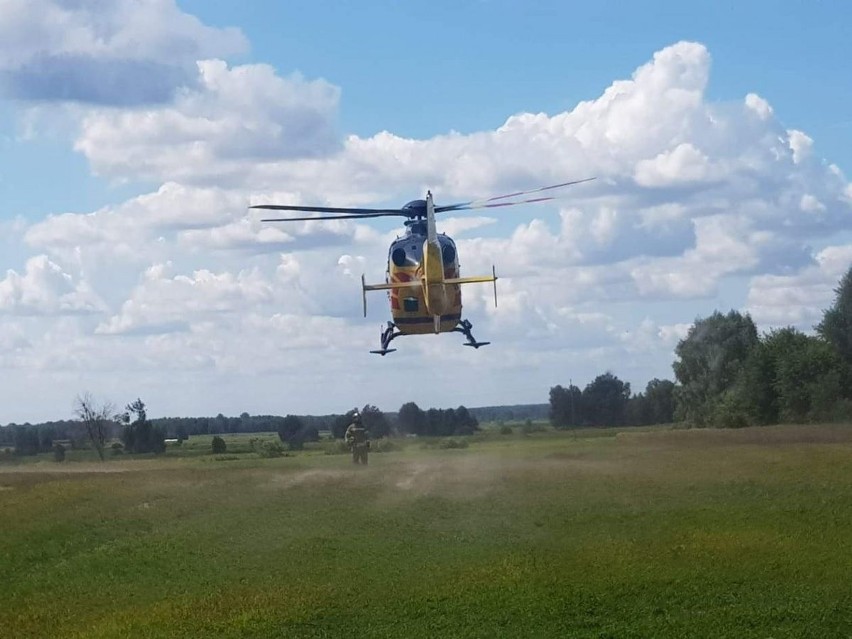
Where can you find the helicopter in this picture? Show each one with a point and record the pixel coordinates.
(422, 281)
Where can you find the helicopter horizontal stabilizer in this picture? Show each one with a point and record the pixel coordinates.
(469, 280)
(384, 351)
(390, 285)
(383, 287)
(476, 280)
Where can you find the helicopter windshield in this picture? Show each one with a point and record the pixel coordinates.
(408, 250)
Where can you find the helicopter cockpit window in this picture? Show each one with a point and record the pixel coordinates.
(448, 252)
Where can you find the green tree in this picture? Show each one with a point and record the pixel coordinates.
(605, 399)
(140, 435)
(638, 411)
(289, 428)
(565, 406)
(789, 376)
(836, 328)
(375, 422)
(757, 389)
(411, 419)
(465, 423)
(808, 380)
(709, 362)
(294, 432)
(659, 397)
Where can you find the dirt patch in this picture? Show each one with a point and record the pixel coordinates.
(468, 476)
(63, 469)
(310, 477)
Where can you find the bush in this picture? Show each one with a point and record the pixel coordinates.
(219, 446)
(445, 444)
(270, 449)
(506, 430)
(117, 448)
(336, 447)
(58, 453)
(384, 445)
(529, 428)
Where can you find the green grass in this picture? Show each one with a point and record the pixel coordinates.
(653, 533)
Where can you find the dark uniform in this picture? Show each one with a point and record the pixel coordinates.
(356, 437)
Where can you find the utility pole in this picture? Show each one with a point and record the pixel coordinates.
(571, 399)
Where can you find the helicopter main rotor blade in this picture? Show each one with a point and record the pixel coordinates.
(491, 201)
(352, 216)
(355, 212)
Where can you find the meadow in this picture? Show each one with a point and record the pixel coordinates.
(639, 533)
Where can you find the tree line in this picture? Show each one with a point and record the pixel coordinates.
(98, 424)
(607, 401)
(728, 375)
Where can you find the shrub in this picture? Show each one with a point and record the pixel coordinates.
(219, 446)
(384, 445)
(452, 443)
(270, 449)
(506, 430)
(117, 448)
(336, 447)
(58, 453)
(530, 427)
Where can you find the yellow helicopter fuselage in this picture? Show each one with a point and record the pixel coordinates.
(422, 300)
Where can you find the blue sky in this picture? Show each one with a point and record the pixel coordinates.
(423, 68)
(133, 137)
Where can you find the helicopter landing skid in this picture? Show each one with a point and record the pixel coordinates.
(476, 344)
(387, 335)
(465, 327)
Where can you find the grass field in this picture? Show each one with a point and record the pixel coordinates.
(654, 533)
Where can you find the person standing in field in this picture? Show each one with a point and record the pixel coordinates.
(356, 437)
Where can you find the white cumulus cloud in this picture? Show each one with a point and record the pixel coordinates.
(119, 52)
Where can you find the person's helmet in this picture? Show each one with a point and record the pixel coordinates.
(356, 418)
